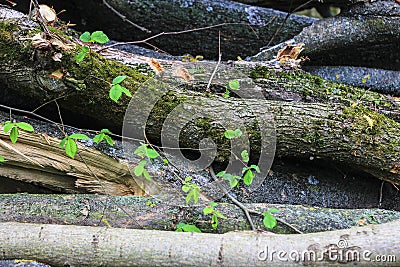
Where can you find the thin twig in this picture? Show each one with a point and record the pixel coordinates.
(234, 200)
(46, 103)
(381, 194)
(279, 220)
(284, 21)
(59, 115)
(41, 20)
(174, 33)
(245, 209)
(124, 18)
(218, 63)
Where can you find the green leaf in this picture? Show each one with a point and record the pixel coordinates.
(85, 49)
(98, 138)
(115, 92)
(248, 177)
(2, 159)
(79, 136)
(245, 156)
(79, 57)
(234, 85)
(269, 220)
(196, 193)
(140, 150)
(188, 179)
(229, 134)
(208, 210)
(213, 204)
(185, 188)
(126, 91)
(179, 226)
(189, 196)
(238, 133)
(99, 37)
(226, 94)
(191, 228)
(85, 37)
(146, 175)
(118, 79)
(14, 135)
(105, 131)
(219, 215)
(82, 54)
(255, 167)
(71, 148)
(139, 169)
(214, 221)
(62, 143)
(25, 126)
(221, 173)
(109, 140)
(7, 126)
(233, 182)
(151, 153)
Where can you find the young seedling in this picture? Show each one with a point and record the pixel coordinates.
(117, 89)
(184, 227)
(96, 37)
(2, 159)
(13, 127)
(230, 134)
(249, 174)
(232, 85)
(269, 219)
(144, 152)
(69, 142)
(233, 179)
(214, 214)
(103, 135)
(191, 189)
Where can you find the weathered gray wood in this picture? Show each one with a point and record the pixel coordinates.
(157, 213)
(37, 158)
(366, 35)
(249, 28)
(94, 246)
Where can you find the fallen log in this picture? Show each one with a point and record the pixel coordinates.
(366, 35)
(244, 29)
(158, 213)
(59, 245)
(340, 132)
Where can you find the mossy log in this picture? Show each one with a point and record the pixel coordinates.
(61, 245)
(244, 30)
(346, 131)
(157, 213)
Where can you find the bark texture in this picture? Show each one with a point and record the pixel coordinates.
(365, 35)
(344, 132)
(158, 213)
(93, 246)
(248, 27)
